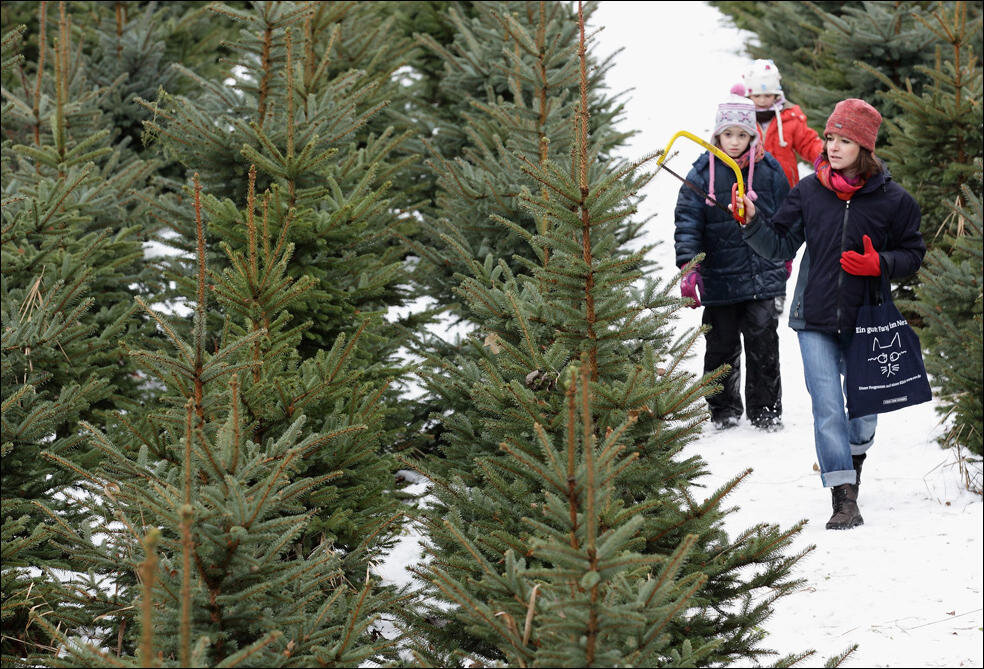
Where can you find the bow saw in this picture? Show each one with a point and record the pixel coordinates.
(737, 209)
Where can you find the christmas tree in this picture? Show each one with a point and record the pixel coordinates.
(949, 301)
(72, 264)
(510, 88)
(512, 455)
(198, 526)
(300, 114)
(932, 144)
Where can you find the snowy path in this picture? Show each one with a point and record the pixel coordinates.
(906, 586)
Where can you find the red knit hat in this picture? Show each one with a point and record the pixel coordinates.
(856, 120)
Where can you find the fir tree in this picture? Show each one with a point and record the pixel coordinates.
(134, 45)
(819, 48)
(931, 145)
(206, 517)
(301, 118)
(584, 299)
(949, 301)
(510, 88)
(72, 263)
(305, 124)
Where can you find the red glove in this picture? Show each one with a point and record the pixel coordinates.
(862, 264)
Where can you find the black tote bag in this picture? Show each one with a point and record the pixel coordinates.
(885, 368)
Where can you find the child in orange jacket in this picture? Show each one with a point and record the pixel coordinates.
(782, 125)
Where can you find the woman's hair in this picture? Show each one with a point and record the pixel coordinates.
(866, 164)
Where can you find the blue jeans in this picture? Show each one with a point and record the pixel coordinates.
(837, 437)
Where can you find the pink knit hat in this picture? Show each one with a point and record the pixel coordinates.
(856, 120)
(739, 112)
(735, 111)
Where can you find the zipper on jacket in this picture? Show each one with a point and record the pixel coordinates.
(840, 275)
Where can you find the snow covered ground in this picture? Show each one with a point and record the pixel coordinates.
(906, 586)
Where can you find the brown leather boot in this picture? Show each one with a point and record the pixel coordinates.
(845, 502)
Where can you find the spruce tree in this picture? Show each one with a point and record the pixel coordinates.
(932, 143)
(949, 301)
(72, 264)
(299, 113)
(198, 525)
(508, 87)
(509, 462)
(303, 114)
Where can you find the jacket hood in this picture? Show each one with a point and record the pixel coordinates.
(878, 180)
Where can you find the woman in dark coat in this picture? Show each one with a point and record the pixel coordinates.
(741, 292)
(857, 223)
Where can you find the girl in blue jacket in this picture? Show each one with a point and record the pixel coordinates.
(856, 223)
(741, 292)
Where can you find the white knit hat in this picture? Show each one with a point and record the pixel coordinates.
(762, 78)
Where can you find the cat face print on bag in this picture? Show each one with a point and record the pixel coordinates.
(887, 356)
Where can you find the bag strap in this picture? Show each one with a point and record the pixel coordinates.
(877, 290)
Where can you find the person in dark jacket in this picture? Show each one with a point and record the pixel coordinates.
(857, 223)
(740, 291)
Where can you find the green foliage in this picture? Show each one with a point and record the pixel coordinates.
(307, 128)
(510, 87)
(319, 267)
(586, 597)
(72, 261)
(932, 143)
(228, 502)
(509, 462)
(949, 301)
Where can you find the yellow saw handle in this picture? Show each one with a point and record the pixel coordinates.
(739, 201)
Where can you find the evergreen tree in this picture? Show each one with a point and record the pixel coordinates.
(819, 48)
(72, 263)
(134, 46)
(206, 516)
(931, 145)
(509, 87)
(503, 482)
(43, 324)
(588, 599)
(299, 113)
(305, 124)
(949, 301)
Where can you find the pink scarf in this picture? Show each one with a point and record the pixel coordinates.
(832, 179)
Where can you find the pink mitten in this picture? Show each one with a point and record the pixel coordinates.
(691, 284)
(789, 268)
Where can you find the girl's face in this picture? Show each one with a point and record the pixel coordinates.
(842, 152)
(764, 100)
(734, 141)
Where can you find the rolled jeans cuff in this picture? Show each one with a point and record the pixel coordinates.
(840, 477)
(861, 449)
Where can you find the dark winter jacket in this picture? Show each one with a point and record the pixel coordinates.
(732, 272)
(826, 297)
